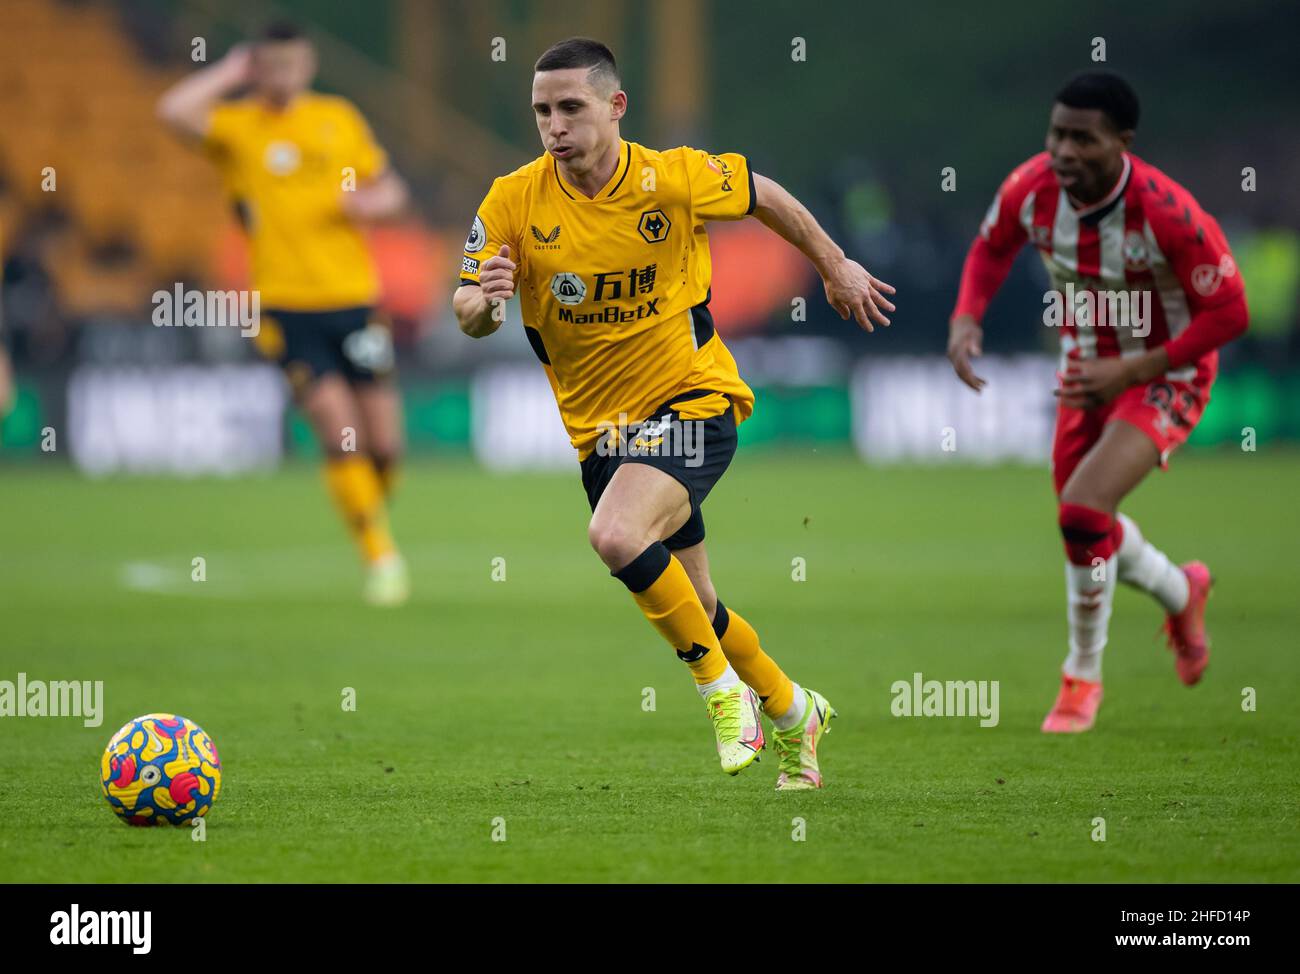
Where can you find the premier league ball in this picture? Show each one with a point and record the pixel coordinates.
(160, 769)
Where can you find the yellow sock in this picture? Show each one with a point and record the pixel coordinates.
(360, 498)
(753, 666)
(663, 590)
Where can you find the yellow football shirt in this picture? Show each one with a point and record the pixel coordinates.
(287, 170)
(615, 289)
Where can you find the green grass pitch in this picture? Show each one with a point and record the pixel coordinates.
(521, 700)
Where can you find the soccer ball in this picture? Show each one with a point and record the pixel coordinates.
(160, 769)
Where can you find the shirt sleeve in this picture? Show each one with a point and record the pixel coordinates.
(1196, 249)
(989, 260)
(1001, 227)
(493, 228)
(1209, 329)
(222, 130)
(721, 185)
(982, 274)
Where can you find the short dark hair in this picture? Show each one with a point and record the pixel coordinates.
(580, 52)
(278, 31)
(1109, 93)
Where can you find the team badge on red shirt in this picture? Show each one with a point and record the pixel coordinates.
(1136, 256)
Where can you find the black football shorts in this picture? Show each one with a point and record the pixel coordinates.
(695, 452)
(356, 343)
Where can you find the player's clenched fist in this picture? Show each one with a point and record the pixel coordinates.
(497, 277)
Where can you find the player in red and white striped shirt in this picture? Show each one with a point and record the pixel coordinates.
(1145, 290)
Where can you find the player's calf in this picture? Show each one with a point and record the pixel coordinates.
(664, 593)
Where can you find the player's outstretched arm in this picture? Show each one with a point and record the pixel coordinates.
(186, 106)
(383, 198)
(987, 264)
(985, 269)
(850, 289)
(481, 310)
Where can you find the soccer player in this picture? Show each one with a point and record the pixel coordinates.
(7, 392)
(306, 174)
(605, 242)
(1149, 292)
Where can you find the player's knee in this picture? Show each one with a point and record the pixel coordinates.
(1078, 494)
(342, 441)
(337, 433)
(338, 440)
(1088, 532)
(614, 542)
(385, 444)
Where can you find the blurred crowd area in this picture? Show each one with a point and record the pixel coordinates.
(99, 207)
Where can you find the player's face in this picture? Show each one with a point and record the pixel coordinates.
(577, 122)
(283, 69)
(1087, 153)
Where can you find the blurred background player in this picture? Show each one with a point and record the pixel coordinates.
(605, 241)
(305, 174)
(1132, 385)
(6, 372)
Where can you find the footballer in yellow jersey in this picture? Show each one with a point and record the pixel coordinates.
(605, 242)
(305, 174)
(614, 289)
(7, 393)
(284, 167)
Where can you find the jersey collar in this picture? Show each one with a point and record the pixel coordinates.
(271, 111)
(1096, 211)
(608, 190)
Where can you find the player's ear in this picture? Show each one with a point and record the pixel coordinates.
(1126, 138)
(617, 105)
